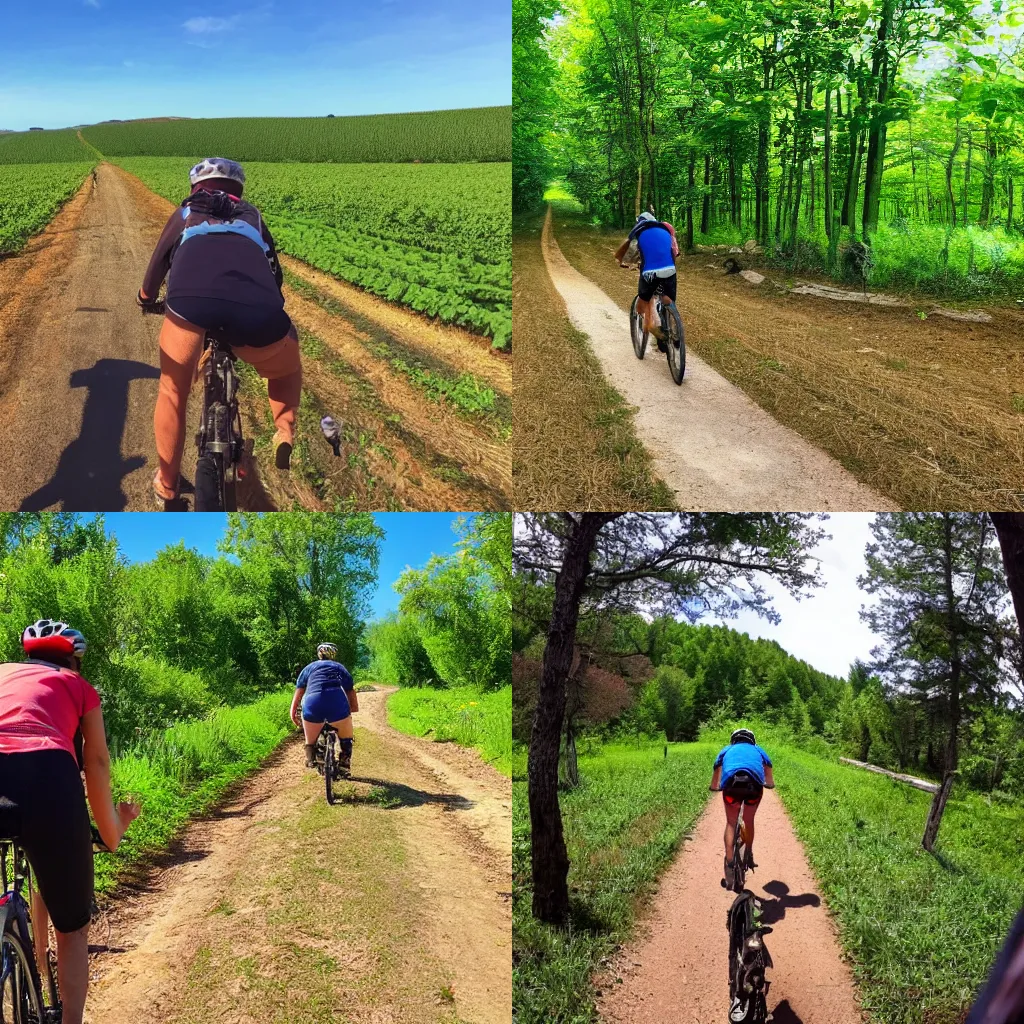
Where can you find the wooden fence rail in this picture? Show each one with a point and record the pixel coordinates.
(928, 787)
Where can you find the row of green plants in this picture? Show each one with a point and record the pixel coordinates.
(30, 194)
(436, 238)
(921, 930)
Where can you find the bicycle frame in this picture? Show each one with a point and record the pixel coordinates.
(220, 431)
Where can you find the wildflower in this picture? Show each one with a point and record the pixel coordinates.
(472, 703)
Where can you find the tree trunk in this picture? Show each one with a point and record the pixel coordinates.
(549, 859)
(689, 202)
(570, 763)
(877, 125)
(931, 829)
(639, 191)
(1009, 204)
(705, 211)
(988, 186)
(1010, 530)
(827, 163)
(967, 174)
(949, 172)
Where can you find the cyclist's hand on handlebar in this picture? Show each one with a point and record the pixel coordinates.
(148, 305)
(127, 812)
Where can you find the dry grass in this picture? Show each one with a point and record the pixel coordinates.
(922, 410)
(574, 444)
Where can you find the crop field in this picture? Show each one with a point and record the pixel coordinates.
(434, 237)
(448, 136)
(44, 148)
(30, 194)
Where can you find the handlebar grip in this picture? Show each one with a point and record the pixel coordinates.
(98, 846)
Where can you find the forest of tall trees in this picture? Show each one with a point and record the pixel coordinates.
(885, 132)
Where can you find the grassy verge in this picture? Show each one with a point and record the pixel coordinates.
(575, 446)
(622, 827)
(922, 930)
(182, 771)
(462, 714)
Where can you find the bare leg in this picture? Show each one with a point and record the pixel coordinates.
(732, 812)
(311, 730)
(73, 972)
(748, 827)
(40, 931)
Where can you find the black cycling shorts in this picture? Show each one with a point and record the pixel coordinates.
(646, 289)
(242, 325)
(51, 821)
(738, 790)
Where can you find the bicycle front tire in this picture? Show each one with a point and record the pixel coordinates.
(208, 484)
(636, 330)
(20, 999)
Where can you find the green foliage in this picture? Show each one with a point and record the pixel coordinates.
(447, 136)
(181, 771)
(465, 715)
(30, 194)
(455, 613)
(437, 238)
(48, 147)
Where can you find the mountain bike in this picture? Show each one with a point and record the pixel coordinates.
(25, 997)
(672, 328)
(736, 877)
(748, 960)
(326, 760)
(219, 439)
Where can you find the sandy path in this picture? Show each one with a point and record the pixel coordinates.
(459, 920)
(711, 444)
(677, 970)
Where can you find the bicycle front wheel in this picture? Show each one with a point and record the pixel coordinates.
(636, 330)
(208, 484)
(675, 342)
(20, 999)
(329, 769)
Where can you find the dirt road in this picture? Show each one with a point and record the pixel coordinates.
(710, 443)
(392, 906)
(678, 969)
(79, 372)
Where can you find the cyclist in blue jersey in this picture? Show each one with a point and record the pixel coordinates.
(745, 758)
(656, 242)
(326, 693)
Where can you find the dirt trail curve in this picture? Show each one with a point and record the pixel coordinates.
(392, 906)
(678, 970)
(710, 443)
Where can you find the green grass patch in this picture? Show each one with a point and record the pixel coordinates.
(182, 771)
(462, 714)
(623, 825)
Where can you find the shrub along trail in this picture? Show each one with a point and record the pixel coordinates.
(426, 424)
(392, 906)
(710, 443)
(678, 968)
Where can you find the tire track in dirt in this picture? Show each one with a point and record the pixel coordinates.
(219, 897)
(710, 443)
(677, 968)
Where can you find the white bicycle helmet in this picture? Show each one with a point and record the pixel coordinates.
(216, 167)
(645, 216)
(742, 736)
(327, 651)
(50, 635)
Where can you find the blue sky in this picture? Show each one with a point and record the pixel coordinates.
(411, 538)
(68, 62)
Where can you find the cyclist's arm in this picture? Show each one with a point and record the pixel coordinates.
(160, 261)
(769, 779)
(111, 821)
(296, 702)
(275, 260)
(621, 251)
(716, 778)
(353, 699)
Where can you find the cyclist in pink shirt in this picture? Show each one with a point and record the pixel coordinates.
(48, 711)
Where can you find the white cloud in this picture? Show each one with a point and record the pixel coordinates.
(825, 629)
(205, 25)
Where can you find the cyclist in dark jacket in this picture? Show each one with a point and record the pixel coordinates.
(222, 272)
(326, 693)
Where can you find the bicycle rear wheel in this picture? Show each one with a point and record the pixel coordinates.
(636, 330)
(675, 342)
(329, 769)
(20, 999)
